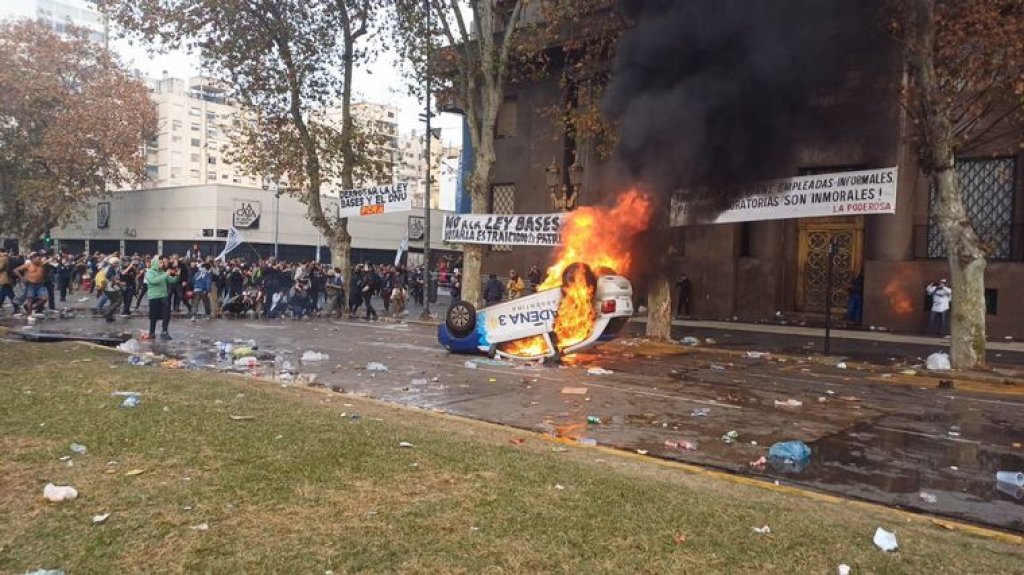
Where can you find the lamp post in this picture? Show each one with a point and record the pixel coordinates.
(832, 248)
(575, 183)
(426, 196)
(277, 209)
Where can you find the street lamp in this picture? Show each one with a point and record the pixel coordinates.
(277, 209)
(426, 195)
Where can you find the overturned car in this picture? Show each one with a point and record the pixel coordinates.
(525, 328)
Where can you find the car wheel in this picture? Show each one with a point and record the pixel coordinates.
(573, 268)
(460, 319)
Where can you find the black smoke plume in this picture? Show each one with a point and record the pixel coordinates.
(713, 95)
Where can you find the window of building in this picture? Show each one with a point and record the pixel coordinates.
(175, 139)
(211, 176)
(176, 125)
(211, 117)
(987, 187)
(196, 143)
(507, 118)
(196, 127)
(193, 174)
(152, 172)
(503, 201)
(194, 158)
(211, 160)
(195, 112)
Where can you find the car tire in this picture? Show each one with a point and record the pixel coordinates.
(588, 273)
(460, 319)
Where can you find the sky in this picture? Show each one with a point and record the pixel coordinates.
(379, 82)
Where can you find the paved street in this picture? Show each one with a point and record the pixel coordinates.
(876, 433)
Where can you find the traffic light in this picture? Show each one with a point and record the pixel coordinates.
(47, 241)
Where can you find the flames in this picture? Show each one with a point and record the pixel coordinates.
(534, 346)
(599, 237)
(897, 296)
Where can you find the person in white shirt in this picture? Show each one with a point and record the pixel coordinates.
(938, 318)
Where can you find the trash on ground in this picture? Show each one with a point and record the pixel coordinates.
(517, 441)
(788, 403)
(909, 372)
(242, 417)
(1011, 477)
(885, 540)
(710, 340)
(469, 365)
(405, 444)
(790, 450)
(247, 362)
(927, 497)
(574, 390)
(306, 378)
(131, 401)
(313, 357)
(418, 382)
(641, 452)
(1014, 491)
(130, 346)
(138, 360)
(48, 571)
(700, 412)
(588, 441)
(763, 530)
(134, 472)
(559, 487)
(680, 444)
(593, 419)
(717, 367)
(690, 340)
(841, 365)
(59, 492)
(173, 364)
(844, 569)
(79, 448)
(375, 366)
(679, 539)
(97, 519)
(731, 436)
(759, 463)
(938, 361)
(599, 371)
(201, 527)
(756, 354)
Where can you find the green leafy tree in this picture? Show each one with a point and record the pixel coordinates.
(288, 61)
(72, 126)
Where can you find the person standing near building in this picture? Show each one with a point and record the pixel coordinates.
(158, 277)
(371, 285)
(112, 290)
(938, 318)
(515, 286)
(130, 284)
(855, 301)
(534, 276)
(493, 291)
(33, 274)
(201, 283)
(683, 288)
(65, 269)
(6, 280)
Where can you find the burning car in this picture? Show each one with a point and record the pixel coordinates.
(586, 309)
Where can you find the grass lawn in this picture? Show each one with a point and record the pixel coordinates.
(304, 487)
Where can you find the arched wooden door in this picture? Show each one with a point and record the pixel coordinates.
(812, 261)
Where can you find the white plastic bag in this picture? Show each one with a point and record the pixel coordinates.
(59, 492)
(938, 362)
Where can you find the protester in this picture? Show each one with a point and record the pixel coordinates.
(493, 291)
(112, 289)
(534, 276)
(32, 273)
(683, 289)
(855, 299)
(201, 282)
(515, 287)
(938, 317)
(159, 277)
(130, 284)
(371, 285)
(6, 281)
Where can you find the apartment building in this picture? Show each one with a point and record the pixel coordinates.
(60, 14)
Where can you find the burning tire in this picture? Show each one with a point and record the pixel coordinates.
(572, 269)
(460, 319)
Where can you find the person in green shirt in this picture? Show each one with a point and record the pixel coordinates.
(158, 277)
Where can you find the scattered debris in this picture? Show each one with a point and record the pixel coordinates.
(248, 362)
(1011, 477)
(756, 354)
(927, 497)
(679, 539)
(588, 441)
(593, 419)
(795, 450)
(517, 441)
(599, 371)
(909, 372)
(559, 487)
(201, 527)
(731, 436)
(710, 341)
(690, 341)
(574, 390)
(841, 365)
(79, 448)
(938, 361)
(716, 367)
(405, 444)
(242, 417)
(418, 382)
(375, 366)
(680, 444)
(59, 492)
(844, 569)
(945, 384)
(138, 360)
(313, 357)
(760, 463)
(131, 401)
(130, 346)
(788, 403)
(763, 530)
(641, 452)
(469, 365)
(134, 472)
(700, 412)
(885, 540)
(97, 519)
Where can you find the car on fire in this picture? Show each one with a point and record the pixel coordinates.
(524, 328)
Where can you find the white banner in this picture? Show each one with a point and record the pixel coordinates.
(838, 194)
(375, 200)
(505, 229)
(234, 240)
(246, 214)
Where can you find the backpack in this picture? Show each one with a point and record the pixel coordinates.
(100, 281)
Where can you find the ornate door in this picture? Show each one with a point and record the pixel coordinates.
(812, 282)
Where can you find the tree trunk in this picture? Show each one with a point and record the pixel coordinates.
(473, 254)
(967, 274)
(659, 307)
(341, 250)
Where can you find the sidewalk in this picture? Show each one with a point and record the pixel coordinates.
(874, 336)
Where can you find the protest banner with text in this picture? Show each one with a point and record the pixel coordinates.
(505, 229)
(375, 200)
